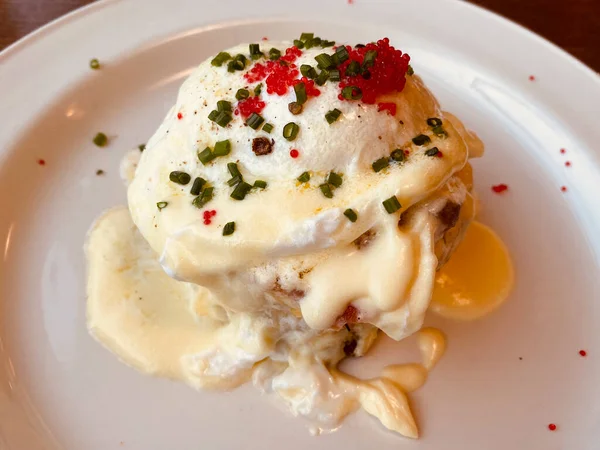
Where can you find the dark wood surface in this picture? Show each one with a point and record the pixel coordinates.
(573, 25)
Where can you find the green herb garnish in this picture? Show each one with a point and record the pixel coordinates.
(100, 140)
(304, 178)
(351, 215)
(290, 131)
(421, 140)
(242, 94)
(380, 164)
(199, 183)
(333, 115)
(255, 121)
(229, 229)
(392, 205)
(180, 177)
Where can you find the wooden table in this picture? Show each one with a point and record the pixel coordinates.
(572, 24)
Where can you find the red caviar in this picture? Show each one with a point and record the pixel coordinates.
(179, 116)
(294, 153)
(41, 162)
(389, 107)
(552, 427)
(499, 188)
(387, 75)
(582, 352)
(249, 106)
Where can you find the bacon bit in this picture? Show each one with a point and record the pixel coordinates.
(350, 315)
(294, 153)
(388, 73)
(531, 78)
(499, 188)
(250, 105)
(552, 427)
(389, 107)
(179, 116)
(583, 353)
(568, 164)
(563, 188)
(563, 151)
(41, 162)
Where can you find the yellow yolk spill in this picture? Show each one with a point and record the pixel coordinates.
(477, 279)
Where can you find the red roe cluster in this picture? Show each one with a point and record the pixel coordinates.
(249, 106)
(387, 75)
(208, 215)
(278, 75)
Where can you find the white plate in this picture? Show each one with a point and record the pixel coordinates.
(60, 389)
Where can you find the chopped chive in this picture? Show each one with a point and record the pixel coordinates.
(333, 115)
(295, 108)
(161, 205)
(326, 190)
(258, 89)
(304, 178)
(300, 90)
(242, 94)
(324, 61)
(204, 198)
(421, 140)
(255, 52)
(206, 156)
(410, 70)
(334, 75)
(326, 44)
(229, 229)
(341, 55)
(298, 43)
(223, 118)
(335, 179)
(380, 164)
(308, 71)
(179, 177)
(142, 147)
(94, 64)
(351, 215)
(322, 77)
(392, 205)
(241, 190)
(233, 169)
(353, 69)
(220, 59)
(398, 155)
(432, 151)
(352, 93)
(223, 105)
(213, 115)
(235, 180)
(260, 184)
(369, 60)
(434, 122)
(254, 121)
(100, 140)
(274, 54)
(306, 36)
(267, 127)
(199, 183)
(440, 132)
(290, 131)
(222, 148)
